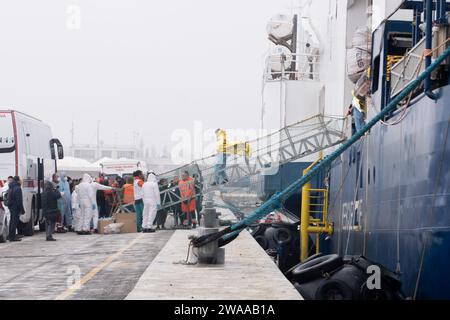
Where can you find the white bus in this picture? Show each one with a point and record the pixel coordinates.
(27, 150)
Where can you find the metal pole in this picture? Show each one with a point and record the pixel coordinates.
(429, 46)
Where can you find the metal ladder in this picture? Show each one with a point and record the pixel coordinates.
(267, 154)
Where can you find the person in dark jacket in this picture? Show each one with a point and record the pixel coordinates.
(15, 201)
(50, 198)
(199, 193)
(176, 208)
(161, 216)
(103, 206)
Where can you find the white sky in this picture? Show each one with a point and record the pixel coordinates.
(144, 65)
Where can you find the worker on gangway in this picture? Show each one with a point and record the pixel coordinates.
(220, 175)
(358, 107)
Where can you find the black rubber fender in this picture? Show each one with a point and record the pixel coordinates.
(262, 241)
(334, 290)
(291, 226)
(316, 268)
(288, 273)
(283, 236)
(259, 230)
(313, 257)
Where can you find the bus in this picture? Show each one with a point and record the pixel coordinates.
(27, 150)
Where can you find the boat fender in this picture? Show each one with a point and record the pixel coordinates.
(282, 236)
(259, 230)
(317, 255)
(288, 273)
(291, 226)
(334, 290)
(317, 268)
(262, 241)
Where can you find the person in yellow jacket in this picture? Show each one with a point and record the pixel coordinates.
(358, 110)
(220, 175)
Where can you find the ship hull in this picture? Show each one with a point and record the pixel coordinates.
(390, 198)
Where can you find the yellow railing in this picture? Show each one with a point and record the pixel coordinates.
(314, 215)
(238, 148)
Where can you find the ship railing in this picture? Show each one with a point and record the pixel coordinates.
(302, 67)
(407, 69)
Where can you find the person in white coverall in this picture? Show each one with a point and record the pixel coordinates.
(152, 202)
(76, 211)
(87, 198)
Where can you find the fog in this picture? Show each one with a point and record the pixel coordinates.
(138, 66)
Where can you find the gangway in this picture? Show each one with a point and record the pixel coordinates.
(266, 155)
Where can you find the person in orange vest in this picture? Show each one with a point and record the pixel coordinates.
(189, 204)
(128, 193)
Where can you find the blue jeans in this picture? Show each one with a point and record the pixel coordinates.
(358, 116)
(219, 169)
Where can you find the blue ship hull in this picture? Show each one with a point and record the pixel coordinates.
(390, 198)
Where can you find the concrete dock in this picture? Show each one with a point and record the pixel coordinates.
(248, 274)
(107, 266)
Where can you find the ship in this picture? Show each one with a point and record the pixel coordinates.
(388, 195)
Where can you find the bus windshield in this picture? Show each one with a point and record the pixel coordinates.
(7, 143)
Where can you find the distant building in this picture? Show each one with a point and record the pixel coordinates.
(94, 153)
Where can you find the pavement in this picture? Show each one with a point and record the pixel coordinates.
(96, 267)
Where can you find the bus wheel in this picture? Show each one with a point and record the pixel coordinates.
(28, 228)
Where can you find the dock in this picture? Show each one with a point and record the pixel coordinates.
(248, 274)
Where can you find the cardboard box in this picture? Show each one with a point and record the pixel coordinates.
(102, 223)
(129, 222)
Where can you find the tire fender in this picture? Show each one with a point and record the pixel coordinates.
(262, 241)
(282, 236)
(288, 274)
(315, 268)
(334, 290)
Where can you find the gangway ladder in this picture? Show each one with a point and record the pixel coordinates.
(314, 214)
(253, 158)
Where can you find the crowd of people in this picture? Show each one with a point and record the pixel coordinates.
(71, 205)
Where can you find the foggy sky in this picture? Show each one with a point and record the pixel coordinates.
(137, 65)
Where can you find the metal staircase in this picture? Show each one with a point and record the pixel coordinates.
(266, 155)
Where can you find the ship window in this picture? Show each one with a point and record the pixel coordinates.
(376, 74)
(373, 174)
(361, 174)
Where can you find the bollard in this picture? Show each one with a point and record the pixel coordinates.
(211, 253)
